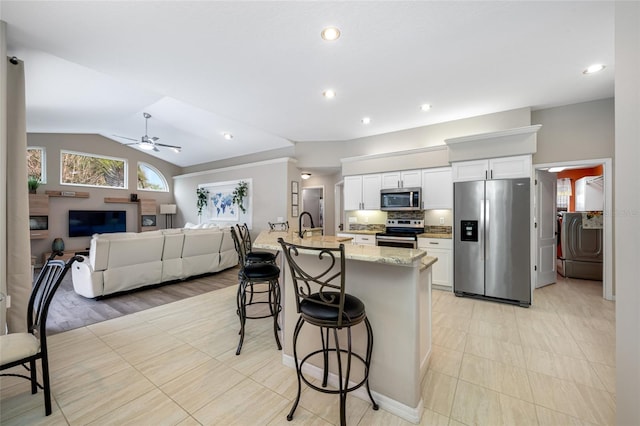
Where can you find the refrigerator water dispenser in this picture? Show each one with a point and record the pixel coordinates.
(469, 230)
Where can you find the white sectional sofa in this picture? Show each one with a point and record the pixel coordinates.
(129, 260)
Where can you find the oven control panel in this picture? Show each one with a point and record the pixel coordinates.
(405, 223)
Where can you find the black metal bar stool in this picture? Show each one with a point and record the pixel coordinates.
(264, 274)
(321, 301)
(250, 255)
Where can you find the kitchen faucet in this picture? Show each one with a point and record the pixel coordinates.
(300, 231)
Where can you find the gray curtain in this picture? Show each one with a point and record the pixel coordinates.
(16, 254)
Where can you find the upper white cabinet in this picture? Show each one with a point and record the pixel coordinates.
(437, 188)
(403, 179)
(589, 194)
(362, 192)
(493, 168)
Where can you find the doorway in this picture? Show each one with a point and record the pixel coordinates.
(607, 226)
(313, 202)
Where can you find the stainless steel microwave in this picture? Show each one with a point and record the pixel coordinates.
(401, 199)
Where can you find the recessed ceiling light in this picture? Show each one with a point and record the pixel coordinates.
(556, 169)
(425, 107)
(329, 94)
(228, 136)
(330, 34)
(594, 68)
(366, 120)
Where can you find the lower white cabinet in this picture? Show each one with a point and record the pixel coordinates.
(442, 270)
(364, 239)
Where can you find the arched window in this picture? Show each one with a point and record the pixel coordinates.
(150, 178)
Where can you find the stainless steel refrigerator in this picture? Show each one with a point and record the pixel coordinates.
(492, 235)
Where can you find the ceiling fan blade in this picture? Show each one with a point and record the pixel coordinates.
(125, 137)
(155, 148)
(154, 138)
(169, 146)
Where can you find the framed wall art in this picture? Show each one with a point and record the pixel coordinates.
(294, 198)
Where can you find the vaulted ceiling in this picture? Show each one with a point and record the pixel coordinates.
(258, 70)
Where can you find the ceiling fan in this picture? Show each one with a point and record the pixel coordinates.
(149, 143)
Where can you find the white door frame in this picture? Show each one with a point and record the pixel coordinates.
(323, 199)
(607, 219)
(338, 203)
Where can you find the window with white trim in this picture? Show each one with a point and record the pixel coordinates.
(150, 178)
(36, 163)
(82, 169)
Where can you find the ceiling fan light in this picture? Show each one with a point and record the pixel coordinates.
(147, 146)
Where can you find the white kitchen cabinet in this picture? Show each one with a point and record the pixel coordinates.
(442, 270)
(437, 188)
(402, 179)
(364, 239)
(589, 194)
(494, 168)
(367, 240)
(362, 192)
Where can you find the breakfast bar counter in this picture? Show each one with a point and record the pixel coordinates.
(395, 286)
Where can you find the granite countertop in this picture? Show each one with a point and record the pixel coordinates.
(396, 256)
(434, 235)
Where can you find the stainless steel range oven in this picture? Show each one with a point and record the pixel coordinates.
(400, 233)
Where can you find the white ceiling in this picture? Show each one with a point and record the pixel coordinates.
(258, 69)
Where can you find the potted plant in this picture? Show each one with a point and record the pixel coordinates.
(33, 183)
(202, 201)
(239, 193)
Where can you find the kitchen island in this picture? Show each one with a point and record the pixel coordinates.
(395, 286)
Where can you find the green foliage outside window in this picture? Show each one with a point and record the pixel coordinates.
(35, 164)
(150, 179)
(92, 170)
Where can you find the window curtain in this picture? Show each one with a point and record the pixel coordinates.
(564, 193)
(15, 251)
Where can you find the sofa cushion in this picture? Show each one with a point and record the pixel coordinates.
(135, 251)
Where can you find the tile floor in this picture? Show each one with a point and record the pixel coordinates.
(492, 364)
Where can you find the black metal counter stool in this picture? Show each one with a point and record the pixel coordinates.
(321, 301)
(252, 256)
(253, 274)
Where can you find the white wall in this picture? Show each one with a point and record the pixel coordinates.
(627, 212)
(269, 194)
(575, 132)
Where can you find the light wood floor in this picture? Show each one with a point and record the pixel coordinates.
(492, 364)
(69, 310)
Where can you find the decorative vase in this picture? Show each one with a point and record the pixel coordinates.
(57, 245)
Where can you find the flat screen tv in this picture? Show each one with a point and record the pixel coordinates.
(84, 223)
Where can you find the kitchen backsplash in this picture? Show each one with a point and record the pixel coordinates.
(438, 229)
(377, 227)
(413, 215)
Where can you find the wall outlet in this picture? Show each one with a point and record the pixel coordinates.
(353, 219)
(442, 221)
(366, 219)
(8, 301)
